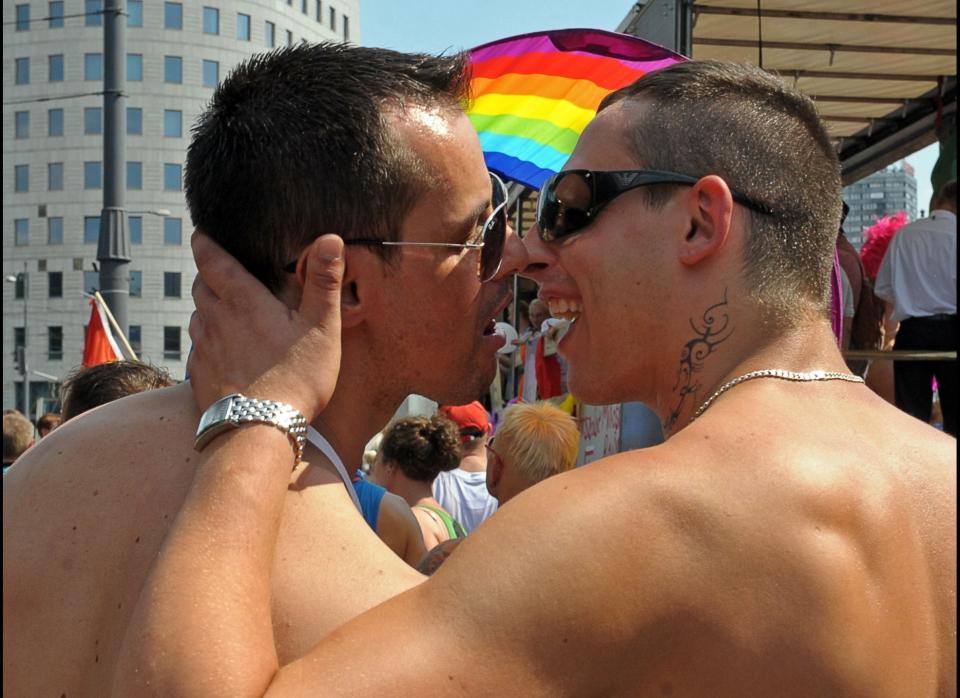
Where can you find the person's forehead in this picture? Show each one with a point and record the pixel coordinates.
(604, 143)
(454, 184)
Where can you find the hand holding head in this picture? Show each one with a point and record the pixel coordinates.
(246, 340)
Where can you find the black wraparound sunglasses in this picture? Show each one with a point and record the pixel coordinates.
(493, 237)
(570, 200)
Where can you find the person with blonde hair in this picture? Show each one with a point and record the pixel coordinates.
(534, 441)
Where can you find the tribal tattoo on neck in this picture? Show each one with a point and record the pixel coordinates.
(713, 329)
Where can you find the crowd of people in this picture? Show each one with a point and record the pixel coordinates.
(794, 534)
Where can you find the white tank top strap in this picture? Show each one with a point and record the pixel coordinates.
(322, 445)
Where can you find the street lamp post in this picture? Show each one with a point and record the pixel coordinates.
(113, 248)
(23, 280)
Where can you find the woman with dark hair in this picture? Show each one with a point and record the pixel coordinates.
(414, 450)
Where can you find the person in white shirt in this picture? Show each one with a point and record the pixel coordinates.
(463, 491)
(918, 280)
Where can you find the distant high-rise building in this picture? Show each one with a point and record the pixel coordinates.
(883, 193)
(176, 54)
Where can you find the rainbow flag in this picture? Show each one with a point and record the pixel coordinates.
(532, 95)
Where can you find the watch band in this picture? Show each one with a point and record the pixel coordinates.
(233, 410)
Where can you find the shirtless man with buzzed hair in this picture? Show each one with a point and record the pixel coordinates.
(794, 536)
(367, 143)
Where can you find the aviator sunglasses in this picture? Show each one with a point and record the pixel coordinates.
(570, 200)
(493, 236)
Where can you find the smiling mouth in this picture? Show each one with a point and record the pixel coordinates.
(564, 308)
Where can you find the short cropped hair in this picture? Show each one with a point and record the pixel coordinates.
(48, 422)
(296, 144)
(947, 196)
(766, 141)
(422, 447)
(538, 439)
(17, 436)
(89, 387)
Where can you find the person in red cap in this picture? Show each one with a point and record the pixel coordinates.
(463, 491)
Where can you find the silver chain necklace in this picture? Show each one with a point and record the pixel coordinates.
(782, 375)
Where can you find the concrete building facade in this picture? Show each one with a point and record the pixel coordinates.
(176, 53)
(883, 193)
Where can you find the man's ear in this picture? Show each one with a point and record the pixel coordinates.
(710, 210)
(356, 283)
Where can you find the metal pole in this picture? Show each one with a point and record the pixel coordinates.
(23, 364)
(113, 250)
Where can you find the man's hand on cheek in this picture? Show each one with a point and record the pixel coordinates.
(246, 340)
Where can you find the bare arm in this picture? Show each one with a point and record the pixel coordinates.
(400, 530)
(210, 585)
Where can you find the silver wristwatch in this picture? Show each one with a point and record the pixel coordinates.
(233, 410)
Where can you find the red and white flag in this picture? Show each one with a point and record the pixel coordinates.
(99, 346)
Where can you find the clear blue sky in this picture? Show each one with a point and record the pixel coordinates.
(435, 26)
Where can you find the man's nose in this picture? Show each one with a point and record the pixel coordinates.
(539, 254)
(514, 254)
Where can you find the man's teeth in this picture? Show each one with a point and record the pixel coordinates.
(564, 308)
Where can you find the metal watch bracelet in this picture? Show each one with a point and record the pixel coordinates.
(233, 410)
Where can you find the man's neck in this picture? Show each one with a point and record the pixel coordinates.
(811, 346)
(358, 409)
(474, 462)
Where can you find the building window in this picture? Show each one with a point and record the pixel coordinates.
(23, 18)
(172, 179)
(54, 343)
(55, 14)
(303, 6)
(211, 73)
(93, 120)
(289, 38)
(55, 230)
(55, 284)
(21, 128)
(171, 342)
(19, 333)
(93, 66)
(173, 69)
(269, 34)
(243, 27)
(54, 122)
(172, 123)
(21, 232)
(55, 176)
(91, 282)
(136, 284)
(172, 231)
(91, 229)
(22, 67)
(333, 19)
(171, 284)
(134, 13)
(319, 13)
(134, 332)
(135, 67)
(55, 67)
(135, 226)
(134, 175)
(134, 121)
(211, 20)
(21, 178)
(94, 10)
(173, 15)
(345, 21)
(93, 175)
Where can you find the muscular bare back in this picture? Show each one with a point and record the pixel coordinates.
(768, 549)
(85, 513)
